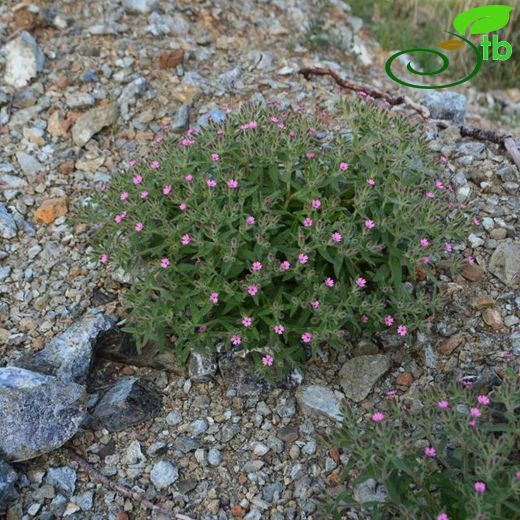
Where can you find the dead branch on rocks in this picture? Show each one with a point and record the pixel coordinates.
(122, 490)
(505, 141)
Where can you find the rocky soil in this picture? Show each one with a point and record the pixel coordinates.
(88, 86)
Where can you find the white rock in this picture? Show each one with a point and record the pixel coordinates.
(24, 59)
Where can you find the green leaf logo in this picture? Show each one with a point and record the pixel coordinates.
(480, 20)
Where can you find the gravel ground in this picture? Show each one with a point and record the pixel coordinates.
(211, 453)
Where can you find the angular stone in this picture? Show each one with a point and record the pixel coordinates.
(69, 355)
(370, 491)
(51, 209)
(163, 474)
(28, 164)
(8, 228)
(492, 318)
(127, 403)
(63, 479)
(446, 105)
(240, 376)
(93, 121)
(202, 366)
(39, 413)
(24, 59)
(358, 375)
(139, 6)
(8, 477)
(318, 400)
(505, 263)
(170, 59)
(450, 344)
(473, 273)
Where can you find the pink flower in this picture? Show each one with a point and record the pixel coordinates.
(303, 258)
(212, 183)
(165, 263)
(250, 220)
(213, 297)
(316, 203)
(132, 163)
(155, 165)
(274, 119)
(443, 405)
(476, 221)
(448, 247)
(144, 194)
(310, 155)
(185, 240)
(187, 142)
(123, 195)
(247, 321)
(124, 214)
(429, 195)
(517, 475)
(329, 282)
(483, 400)
(236, 339)
(137, 180)
(251, 124)
(336, 237)
(378, 416)
(215, 157)
(442, 516)
(472, 423)
(312, 130)
(370, 224)
(182, 206)
(103, 258)
(430, 452)
(439, 185)
(285, 265)
(391, 393)
(480, 487)
(315, 304)
(475, 412)
(279, 329)
(252, 290)
(232, 183)
(220, 133)
(424, 242)
(470, 260)
(402, 330)
(188, 178)
(139, 226)
(364, 318)
(343, 166)
(361, 282)
(167, 189)
(256, 266)
(281, 126)
(389, 320)
(371, 182)
(307, 222)
(425, 260)
(443, 159)
(267, 360)
(159, 138)
(306, 337)
(292, 134)
(118, 218)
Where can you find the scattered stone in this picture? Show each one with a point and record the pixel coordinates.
(370, 491)
(202, 366)
(8, 477)
(70, 354)
(358, 375)
(181, 119)
(56, 125)
(448, 346)
(405, 379)
(482, 302)
(318, 400)
(185, 486)
(139, 6)
(29, 165)
(187, 444)
(446, 105)
(239, 375)
(129, 96)
(492, 318)
(24, 60)
(163, 474)
(133, 454)
(63, 478)
(125, 404)
(51, 209)
(288, 434)
(473, 273)
(505, 263)
(85, 501)
(173, 418)
(93, 121)
(8, 228)
(170, 59)
(214, 457)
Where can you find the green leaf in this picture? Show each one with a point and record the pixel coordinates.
(484, 19)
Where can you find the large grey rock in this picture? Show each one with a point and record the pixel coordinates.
(358, 375)
(240, 376)
(93, 121)
(127, 403)
(505, 263)
(39, 413)
(139, 6)
(318, 400)
(8, 228)
(201, 366)
(29, 165)
(370, 491)
(24, 59)
(8, 477)
(446, 105)
(163, 474)
(130, 94)
(70, 355)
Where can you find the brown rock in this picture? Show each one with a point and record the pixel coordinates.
(242, 479)
(288, 433)
(482, 302)
(66, 167)
(405, 379)
(449, 345)
(93, 121)
(170, 59)
(237, 511)
(334, 478)
(55, 125)
(62, 82)
(473, 273)
(492, 318)
(334, 454)
(187, 94)
(51, 209)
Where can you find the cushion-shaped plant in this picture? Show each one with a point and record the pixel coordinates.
(274, 234)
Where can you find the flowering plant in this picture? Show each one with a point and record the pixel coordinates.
(274, 235)
(457, 458)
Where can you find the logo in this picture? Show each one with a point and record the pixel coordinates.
(480, 20)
